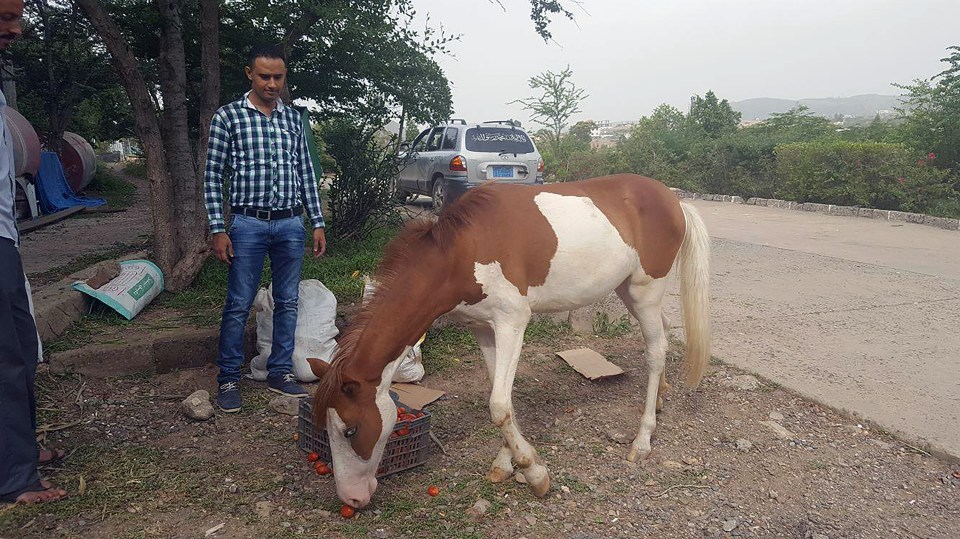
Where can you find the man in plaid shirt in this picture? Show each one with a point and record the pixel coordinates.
(258, 145)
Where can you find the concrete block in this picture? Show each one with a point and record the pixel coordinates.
(846, 211)
(813, 206)
(942, 222)
(736, 200)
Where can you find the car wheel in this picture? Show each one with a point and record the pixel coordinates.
(438, 192)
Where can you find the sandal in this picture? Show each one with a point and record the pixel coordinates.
(51, 456)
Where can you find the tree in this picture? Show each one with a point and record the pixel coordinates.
(931, 113)
(713, 116)
(60, 74)
(343, 55)
(580, 135)
(559, 99)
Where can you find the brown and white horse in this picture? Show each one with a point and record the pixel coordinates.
(499, 254)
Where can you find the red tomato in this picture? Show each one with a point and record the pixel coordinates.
(347, 512)
(322, 468)
(313, 457)
(403, 431)
(433, 490)
(401, 410)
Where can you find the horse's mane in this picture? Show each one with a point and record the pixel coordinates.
(422, 233)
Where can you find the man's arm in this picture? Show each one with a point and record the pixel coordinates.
(218, 152)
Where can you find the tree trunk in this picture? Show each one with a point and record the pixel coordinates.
(179, 256)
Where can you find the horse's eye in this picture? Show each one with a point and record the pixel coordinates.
(350, 432)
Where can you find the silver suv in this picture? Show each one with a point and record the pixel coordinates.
(444, 161)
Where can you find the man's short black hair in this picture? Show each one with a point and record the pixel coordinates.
(265, 51)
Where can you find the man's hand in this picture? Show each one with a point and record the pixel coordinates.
(222, 247)
(319, 242)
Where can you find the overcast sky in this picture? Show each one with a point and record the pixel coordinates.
(631, 55)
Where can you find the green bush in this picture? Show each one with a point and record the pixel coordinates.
(870, 174)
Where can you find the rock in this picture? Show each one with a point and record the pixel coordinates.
(729, 525)
(778, 430)
(690, 461)
(197, 406)
(650, 483)
(773, 495)
(263, 509)
(672, 465)
(520, 478)
(565, 489)
(531, 520)
(775, 416)
(620, 436)
(744, 445)
(479, 508)
(743, 382)
(285, 405)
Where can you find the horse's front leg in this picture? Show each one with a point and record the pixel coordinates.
(506, 340)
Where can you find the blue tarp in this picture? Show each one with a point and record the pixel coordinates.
(52, 188)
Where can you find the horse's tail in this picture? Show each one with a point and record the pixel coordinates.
(695, 295)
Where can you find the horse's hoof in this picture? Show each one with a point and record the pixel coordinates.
(538, 478)
(499, 475)
(635, 454)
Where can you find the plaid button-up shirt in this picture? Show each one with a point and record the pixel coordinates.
(265, 158)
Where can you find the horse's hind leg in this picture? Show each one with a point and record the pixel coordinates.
(643, 298)
(664, 386)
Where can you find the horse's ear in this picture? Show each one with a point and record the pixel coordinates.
(318, 366)
(350, 388)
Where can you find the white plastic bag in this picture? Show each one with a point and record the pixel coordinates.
(315, 334)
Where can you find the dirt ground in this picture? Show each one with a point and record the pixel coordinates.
(716, 470)
(88, 236)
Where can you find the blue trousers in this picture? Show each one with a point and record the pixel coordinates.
(254, 239)
(18, 369)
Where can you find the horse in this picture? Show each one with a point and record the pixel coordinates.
(493, 258)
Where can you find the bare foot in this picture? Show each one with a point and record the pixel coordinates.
(48, 493)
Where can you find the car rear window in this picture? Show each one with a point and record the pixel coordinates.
(498, 139)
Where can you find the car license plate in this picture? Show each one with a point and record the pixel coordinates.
(502, 171)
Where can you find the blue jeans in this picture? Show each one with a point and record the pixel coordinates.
(252, 240)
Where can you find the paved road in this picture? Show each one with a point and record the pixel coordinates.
(860, 314)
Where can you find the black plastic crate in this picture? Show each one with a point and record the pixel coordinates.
(402, 452)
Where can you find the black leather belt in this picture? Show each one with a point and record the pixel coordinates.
(267, 215)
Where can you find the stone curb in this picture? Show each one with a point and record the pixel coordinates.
(830, 209)
(154, 354)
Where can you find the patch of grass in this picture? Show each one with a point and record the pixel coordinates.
(117, 479)
(604, 327)
(444, 346)
(545, 330)
(85, 330)
(136, 168)
(117, 191)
